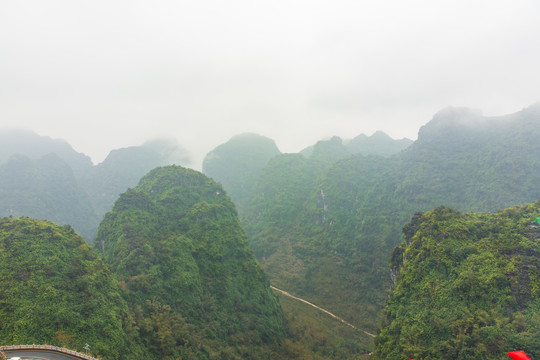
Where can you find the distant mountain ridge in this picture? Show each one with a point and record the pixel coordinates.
(326, 232)
(64, 186)
(237, 164)
(45, 188)
(379, 143)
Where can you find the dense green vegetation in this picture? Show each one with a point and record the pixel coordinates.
(467, 287)
(336, 148)
(377, 144)
(238, 163)
(188, 274)
(327, 233)
(45, 189)
(272, 219)
(46, 179)
(313, 335)
(55, 290)
(123, 168)
(323, 224)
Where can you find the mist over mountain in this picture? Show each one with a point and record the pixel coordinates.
(238, 163)
(325, 232)
(47, 179)
(322, 223)
(45, 188)
(377, 144)
(34, 146)
(320, 231)
(123, 168)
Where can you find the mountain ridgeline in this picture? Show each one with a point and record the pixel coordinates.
(177, 279)
(467, 286)
(45, 188)
(237, 164)
(46, 179)
(324, 226)
(191, 281)
(377, 144)
(178, 275)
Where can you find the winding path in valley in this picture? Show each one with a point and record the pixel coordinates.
(321, 309)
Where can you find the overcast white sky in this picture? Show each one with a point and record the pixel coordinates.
(109, 74)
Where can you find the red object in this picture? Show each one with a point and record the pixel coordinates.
(518, 355)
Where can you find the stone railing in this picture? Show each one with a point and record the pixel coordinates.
(46, 348)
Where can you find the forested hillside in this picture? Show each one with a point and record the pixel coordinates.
(466, 286)
(47, 179)
(123, 168)
(238, 163)
(55, 290)
(332, 245)
(323, 224)
(187, 272)
(45, 188)
(377, 144)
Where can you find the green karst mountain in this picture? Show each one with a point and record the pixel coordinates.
(123, 168)
(238, 163)
(377, 144)
(187, 272)
(47, 179)
(466, 287)
(327, 151)
(34, 146)
(45, 188)
(55, 290)
(333, 247)
(272, 219)
(326, 225)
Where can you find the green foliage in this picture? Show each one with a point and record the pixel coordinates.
(46, 179)
(124, 168)
(335, 148)
(329, 151)
(327, 230)
(238, 163)
(466, 287)
(377, 144)
(55, 290)
(188, 275)
(282, 191)
(45, 189)
(314, 335)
